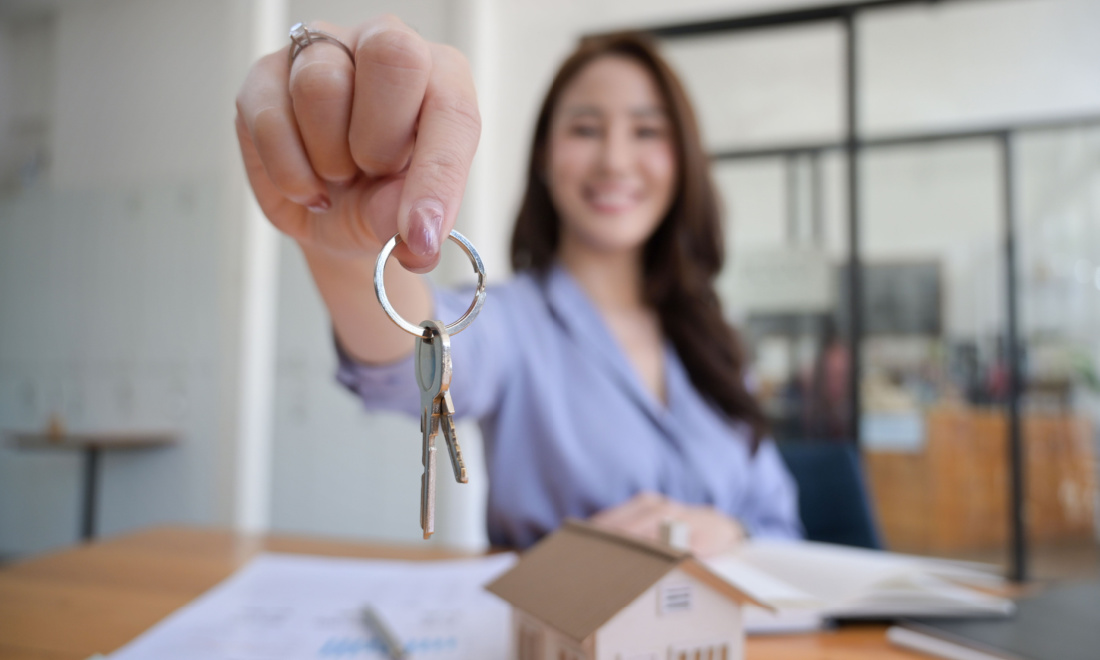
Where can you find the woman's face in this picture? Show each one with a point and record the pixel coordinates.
(611, 164)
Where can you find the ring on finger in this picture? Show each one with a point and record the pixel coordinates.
(301, 36)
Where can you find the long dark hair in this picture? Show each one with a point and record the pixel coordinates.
(685, 253)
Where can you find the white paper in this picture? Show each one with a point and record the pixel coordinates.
(762, 586)
(846, 582)
(284, 606)
(761, 621)
(794, 609)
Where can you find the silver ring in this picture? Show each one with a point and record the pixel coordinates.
(415, 330)
(301, 35)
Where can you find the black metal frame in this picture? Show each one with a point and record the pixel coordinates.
(852, 145)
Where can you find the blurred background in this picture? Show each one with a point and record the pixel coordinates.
(141, 293)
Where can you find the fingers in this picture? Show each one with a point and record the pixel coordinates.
(321, 84)
(332, 135)
(265, 110)
(446, 140)
(393, 66)
(716, 533)
(287, 216)
(711, 531)
(641, 515)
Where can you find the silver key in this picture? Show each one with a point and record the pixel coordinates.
(433, 376)
(433, 373)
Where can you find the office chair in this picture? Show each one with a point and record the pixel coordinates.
(832, 494)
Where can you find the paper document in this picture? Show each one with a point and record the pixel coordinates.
(795, 610)
(284, 606)
(846, 582)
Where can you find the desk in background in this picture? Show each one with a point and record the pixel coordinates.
(95, 598)
(91, 446)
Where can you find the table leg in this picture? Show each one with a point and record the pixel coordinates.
(91, 485)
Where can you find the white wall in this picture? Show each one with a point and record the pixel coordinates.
(26, 61)
(118, 271)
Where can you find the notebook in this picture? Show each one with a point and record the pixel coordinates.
(841, 582)
(1059, 623)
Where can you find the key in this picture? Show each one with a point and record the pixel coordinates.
(444, 408)
(430, 373)
(446, 420)
(433, 376)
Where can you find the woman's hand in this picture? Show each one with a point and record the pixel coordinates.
(711, 531)
(342, 155)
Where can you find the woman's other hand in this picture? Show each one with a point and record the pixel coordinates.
(711, 531)
(342, 155)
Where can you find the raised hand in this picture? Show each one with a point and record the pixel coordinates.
(341, 155)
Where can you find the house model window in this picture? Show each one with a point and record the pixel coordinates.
(675, 598)
(588, 594)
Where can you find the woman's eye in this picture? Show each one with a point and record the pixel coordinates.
(583, 130)
(650, 132)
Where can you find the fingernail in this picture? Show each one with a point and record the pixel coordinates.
(425, 224)
(319, 204)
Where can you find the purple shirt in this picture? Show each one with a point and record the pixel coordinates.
(569, 427)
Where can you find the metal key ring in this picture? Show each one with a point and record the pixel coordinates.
(415, 330)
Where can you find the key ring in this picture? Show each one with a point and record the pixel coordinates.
(415, 330)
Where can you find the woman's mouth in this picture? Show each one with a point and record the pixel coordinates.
(615, 200)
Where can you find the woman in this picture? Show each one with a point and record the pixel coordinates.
(606, 382)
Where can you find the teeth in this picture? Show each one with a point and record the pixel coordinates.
(611, 200)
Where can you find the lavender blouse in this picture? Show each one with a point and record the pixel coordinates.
(569, 428)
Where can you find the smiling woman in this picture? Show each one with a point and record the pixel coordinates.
(612, 158)
(620, 129)
(606, 382)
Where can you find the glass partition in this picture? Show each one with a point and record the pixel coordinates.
(936, 411)
(934, 382)
(1058, 276)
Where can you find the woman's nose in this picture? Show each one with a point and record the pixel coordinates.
(618, 150)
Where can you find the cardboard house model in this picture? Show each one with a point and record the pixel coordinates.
(587, 594)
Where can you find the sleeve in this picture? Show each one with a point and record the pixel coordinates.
(772, 509)
(479, 358)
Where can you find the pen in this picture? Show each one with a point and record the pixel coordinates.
(383, 632)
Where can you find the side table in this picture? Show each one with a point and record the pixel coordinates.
(91, 445)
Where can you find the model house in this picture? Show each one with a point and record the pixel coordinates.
(587, 594)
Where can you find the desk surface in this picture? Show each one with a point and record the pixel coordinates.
(96, 597)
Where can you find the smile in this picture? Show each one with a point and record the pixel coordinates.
(612, 201)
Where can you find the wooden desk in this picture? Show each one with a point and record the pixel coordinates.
(97, 597)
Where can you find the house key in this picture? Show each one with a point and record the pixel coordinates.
(433, 375)
(432, 357)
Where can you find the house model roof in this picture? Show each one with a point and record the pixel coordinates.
(579, 577)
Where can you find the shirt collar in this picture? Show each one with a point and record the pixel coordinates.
(578, 315)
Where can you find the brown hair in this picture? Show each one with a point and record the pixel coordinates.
(685, 253)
